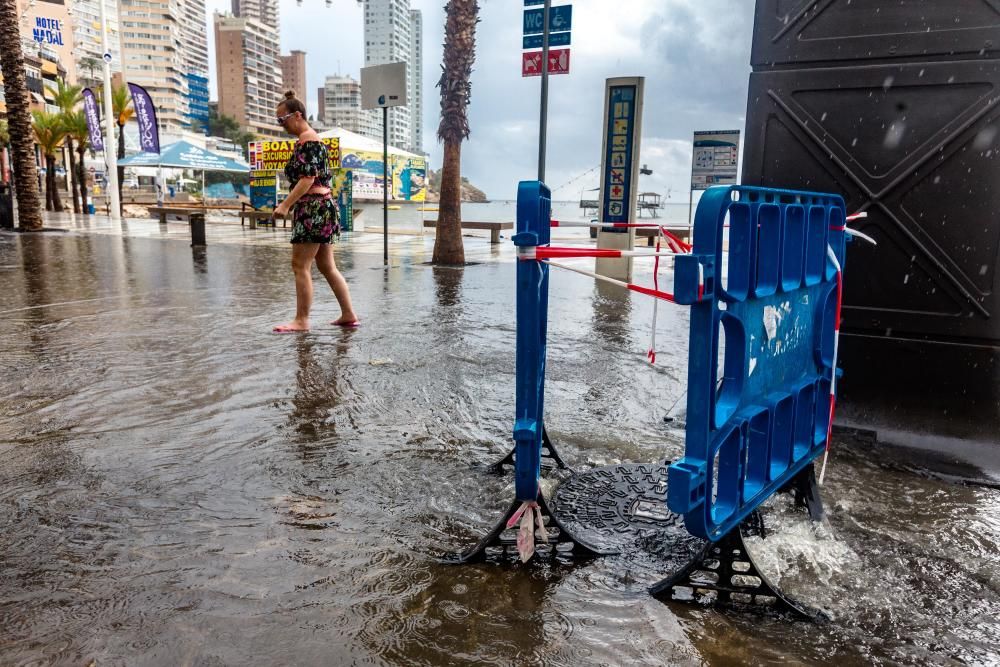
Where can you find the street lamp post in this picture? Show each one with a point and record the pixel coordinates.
(110, 154)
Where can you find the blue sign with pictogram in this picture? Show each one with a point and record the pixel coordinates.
(560, 20)
(555, 39)
(619, 140)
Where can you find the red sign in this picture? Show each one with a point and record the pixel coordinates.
(531, 62)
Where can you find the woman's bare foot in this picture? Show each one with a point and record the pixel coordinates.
(292, 327)
(349, 320)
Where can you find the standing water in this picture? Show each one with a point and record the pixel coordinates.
(179, 487)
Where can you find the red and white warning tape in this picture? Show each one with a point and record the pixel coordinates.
(836, 348)
(529, 253)
(655, 293)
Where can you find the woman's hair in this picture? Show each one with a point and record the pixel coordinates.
(292, 104)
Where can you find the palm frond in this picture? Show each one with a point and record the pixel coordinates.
(49, 131)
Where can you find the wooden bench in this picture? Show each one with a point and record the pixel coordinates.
(183, 212)
(493, 227)
(248, 212)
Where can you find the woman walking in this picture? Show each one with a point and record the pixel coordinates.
(314, 218)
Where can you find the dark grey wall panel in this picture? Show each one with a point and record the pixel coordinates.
(896, 105)
(917, 146)
(802, 31)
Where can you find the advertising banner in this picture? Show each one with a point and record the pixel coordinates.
(263, 189)
(145, 113)
(343, 190)
(90, 110)
(273, 155)
(409, 178)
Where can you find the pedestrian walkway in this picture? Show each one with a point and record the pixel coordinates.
(414, 247)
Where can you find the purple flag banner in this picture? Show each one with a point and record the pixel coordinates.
(145, 113)
(90, 110)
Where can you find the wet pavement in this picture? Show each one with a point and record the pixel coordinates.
(180, 487)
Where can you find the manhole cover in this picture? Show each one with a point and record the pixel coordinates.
(624, 507)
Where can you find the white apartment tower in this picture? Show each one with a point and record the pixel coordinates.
(340, 101)
(150, 33)
(87, 41)
(394, 33)
(194, 36)
(163, 45)
(415, 81)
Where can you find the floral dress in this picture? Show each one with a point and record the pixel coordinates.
(314, 217)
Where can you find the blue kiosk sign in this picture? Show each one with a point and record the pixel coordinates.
(623, 117)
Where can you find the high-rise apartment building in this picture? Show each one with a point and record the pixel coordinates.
(340, 106)
(150, 32)
(87, 47)
(194, 60)
(248, 72)
(262, 11)
(164, 44)
(293, 74)
(415, 80)
(393, 33)
(194, 37)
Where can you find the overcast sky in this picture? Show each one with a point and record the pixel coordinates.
(694, 54)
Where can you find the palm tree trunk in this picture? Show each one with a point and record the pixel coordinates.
(52, 184)
(448, 246)
(16, 93)
(82, 178)
(461, 17)
(74, 180)
(121, 170)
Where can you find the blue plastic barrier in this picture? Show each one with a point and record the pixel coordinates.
(761, 348)
(534, 207)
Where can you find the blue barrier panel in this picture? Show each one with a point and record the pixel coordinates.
(534, 212)
(761, 348)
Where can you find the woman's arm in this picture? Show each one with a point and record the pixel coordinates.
(301, 187)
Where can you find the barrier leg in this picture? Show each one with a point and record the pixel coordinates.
(806, 493)
(550, 458)
(724, 574)
(534, 208)
(501, 542)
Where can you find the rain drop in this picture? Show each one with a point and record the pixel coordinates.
(894, 136)
(984, 138)
(887, 84)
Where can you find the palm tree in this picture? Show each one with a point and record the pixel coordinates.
(121, 105)
(456, 92)
(49, 133)
(29, 209)
(75, 125)
(88, 63)
(68, 97)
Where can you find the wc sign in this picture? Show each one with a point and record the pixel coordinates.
(560, 24)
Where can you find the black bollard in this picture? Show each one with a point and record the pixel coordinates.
(197, 229)
(6, 207)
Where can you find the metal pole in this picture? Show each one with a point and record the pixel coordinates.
(110, 154)
(543, 120)
(387, 183)
(690, 221)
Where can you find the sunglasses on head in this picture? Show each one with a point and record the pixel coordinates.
(282, 119)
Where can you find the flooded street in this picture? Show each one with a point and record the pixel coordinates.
(180, 487)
